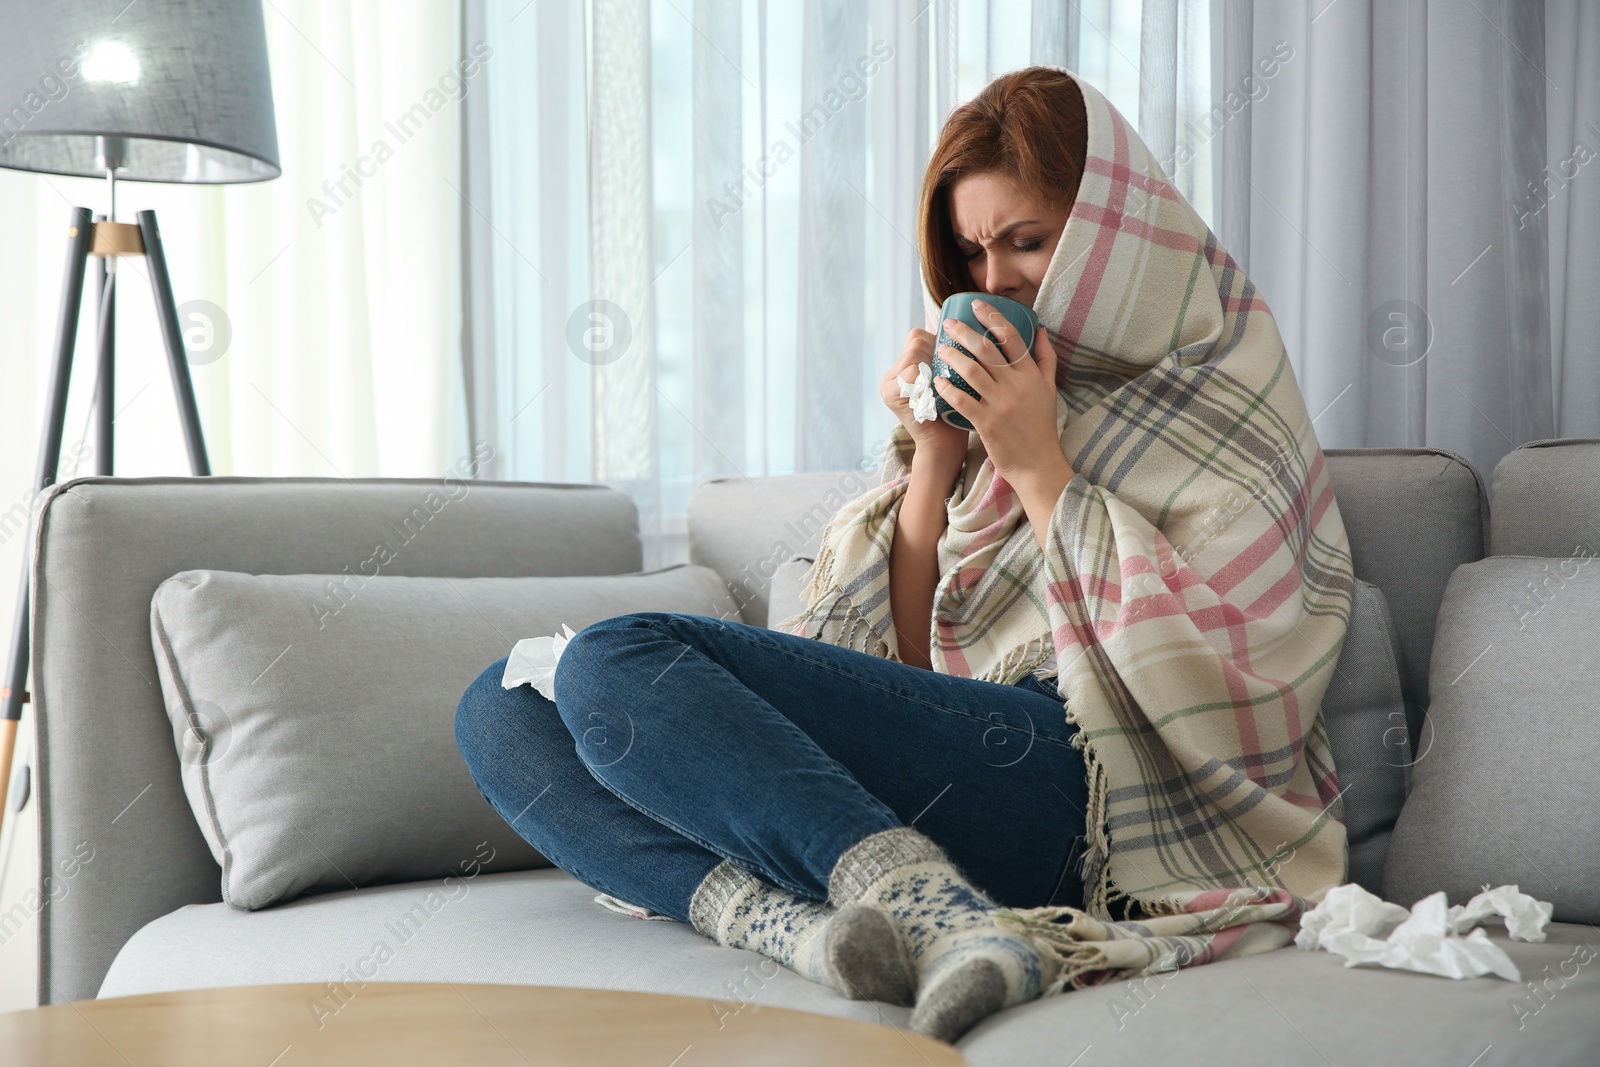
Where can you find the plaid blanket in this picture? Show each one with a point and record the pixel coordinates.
(1192, 599)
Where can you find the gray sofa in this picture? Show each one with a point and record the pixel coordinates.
(146, 914)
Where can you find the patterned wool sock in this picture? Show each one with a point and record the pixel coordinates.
(967, 967)
(858, 950)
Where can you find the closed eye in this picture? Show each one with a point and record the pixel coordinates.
(1031, 246)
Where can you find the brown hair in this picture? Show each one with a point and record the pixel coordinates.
(1026, 124)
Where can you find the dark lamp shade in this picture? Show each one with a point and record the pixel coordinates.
(180, 87)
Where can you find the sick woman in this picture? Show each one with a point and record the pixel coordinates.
(1051, 714)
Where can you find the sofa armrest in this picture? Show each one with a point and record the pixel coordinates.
(108, 782)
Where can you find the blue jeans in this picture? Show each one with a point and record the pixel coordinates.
(677, 741)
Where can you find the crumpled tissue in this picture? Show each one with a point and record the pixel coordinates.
(622, 907)
(1352, 923)
(533, 662)
(920, 390)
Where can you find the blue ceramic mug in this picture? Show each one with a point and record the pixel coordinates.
(958, 306)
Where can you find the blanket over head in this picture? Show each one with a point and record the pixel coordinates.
(1192, 599)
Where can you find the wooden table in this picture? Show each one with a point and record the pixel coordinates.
(398, 1024)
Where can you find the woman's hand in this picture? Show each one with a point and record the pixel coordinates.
(935, 440)
(940, 450)
(1016, 419)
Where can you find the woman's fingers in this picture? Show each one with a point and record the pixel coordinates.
(917, 349)
(974, 371)
(1044, 354)
(960, 401)
(1007, 337)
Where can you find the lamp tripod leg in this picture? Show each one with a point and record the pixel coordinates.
(105, 382)
(14, 693)
(172, 333)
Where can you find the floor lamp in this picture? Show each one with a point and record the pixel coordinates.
(150, 92)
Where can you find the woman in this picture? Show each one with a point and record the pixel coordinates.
(869, 793)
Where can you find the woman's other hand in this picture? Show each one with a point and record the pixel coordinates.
(935, 439)
(940, 450)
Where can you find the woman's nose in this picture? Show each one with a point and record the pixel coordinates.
(1001, 277)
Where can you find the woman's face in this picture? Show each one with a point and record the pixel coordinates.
(1005, 235)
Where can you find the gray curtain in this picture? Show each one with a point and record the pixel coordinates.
(1568, 196)
(1379, 185)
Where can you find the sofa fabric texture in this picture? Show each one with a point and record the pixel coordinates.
(294, 700)
(785, 600)
(1364, 713)
(1544, 499)
(1413, 516)
(1505, 792)
(746, 528)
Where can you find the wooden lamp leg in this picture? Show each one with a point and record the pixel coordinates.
(8, 747)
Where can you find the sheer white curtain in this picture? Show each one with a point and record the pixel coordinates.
(696, 253)
(697, 250)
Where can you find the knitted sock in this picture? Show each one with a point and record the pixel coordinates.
(967, 967)
(857, 950)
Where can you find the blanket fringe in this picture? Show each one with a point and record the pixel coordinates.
(819, 580)
(1072, 962)
(820, 588)
(1095, 867)
(1020, 661)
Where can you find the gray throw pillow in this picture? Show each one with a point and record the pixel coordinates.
(1504, 793)
(314, 714)
(1364, 713)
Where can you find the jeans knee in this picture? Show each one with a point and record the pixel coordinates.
(592, 649)
(608, 628)
(483, 701)
(590, 697)
(506, 735)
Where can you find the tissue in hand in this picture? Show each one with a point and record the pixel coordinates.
(533, 662)
(920, 390)
(1352, 923)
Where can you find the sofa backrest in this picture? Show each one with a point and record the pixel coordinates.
(745, 528)
(1413, 516)
(1547, 499)
(108, 773)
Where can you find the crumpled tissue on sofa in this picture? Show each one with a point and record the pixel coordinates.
(1362, 928)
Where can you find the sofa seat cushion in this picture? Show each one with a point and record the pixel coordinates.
(529, 927)
(543, 928)
(1307, 1008)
